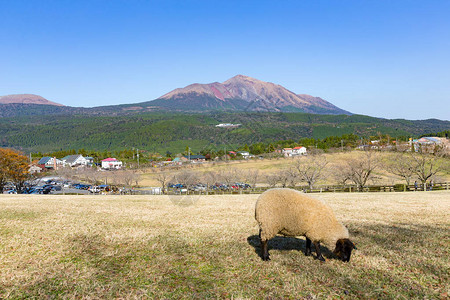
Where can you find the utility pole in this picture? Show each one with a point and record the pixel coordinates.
(342, 145)
(137, 154)
(189, 153)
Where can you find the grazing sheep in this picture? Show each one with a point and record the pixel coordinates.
(292, 213)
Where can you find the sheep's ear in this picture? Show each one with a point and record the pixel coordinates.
(354, 246)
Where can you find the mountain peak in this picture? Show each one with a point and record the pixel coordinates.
(26, 99)
(242, 78)
(244, 93)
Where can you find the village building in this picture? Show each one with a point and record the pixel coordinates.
(428, 144)
(296, 151)
(111, 163)
(33, 169)
(232, 153)
(75, 160)
(48, 162)
(245, 154)
(193, 158)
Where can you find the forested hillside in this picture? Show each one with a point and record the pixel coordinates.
(161, 132)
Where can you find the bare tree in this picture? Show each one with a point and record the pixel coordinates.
(362, 168)
(66, 173)
(163, 179)
(230, 176)
(342, 174)
(272, 179)
(129, 177)
(115, 178)
(210, 178)
(136, 177)
(425, 166)
(442, 150)
(401, 165)
(288, 177)
(251, 177)
(186, 178)
(293, 176)
(91, 175)
(283, 178)
(310, 169)
(106, 176)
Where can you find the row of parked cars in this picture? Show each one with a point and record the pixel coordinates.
(201, 187)
(49, 186)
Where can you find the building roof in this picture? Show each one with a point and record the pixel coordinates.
(70, 159)
(110, 159)
(195, 157)
(298, 147)
(44, 160)
(428, 139)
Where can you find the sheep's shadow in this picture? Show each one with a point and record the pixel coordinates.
(285, 243)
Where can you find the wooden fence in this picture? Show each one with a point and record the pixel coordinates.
(318, 189)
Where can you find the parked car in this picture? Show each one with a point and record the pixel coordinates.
(94, 189)
(81, 186)
(199, 187)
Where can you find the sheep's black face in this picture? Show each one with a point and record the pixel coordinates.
(344, 249)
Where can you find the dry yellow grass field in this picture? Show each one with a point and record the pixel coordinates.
(207, 247)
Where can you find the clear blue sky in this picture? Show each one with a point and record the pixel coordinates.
(380, 58)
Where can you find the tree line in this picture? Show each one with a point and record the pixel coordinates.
(342, 142)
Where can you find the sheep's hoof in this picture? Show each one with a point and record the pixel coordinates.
(266, 258)
(308, 253)
(321, 259)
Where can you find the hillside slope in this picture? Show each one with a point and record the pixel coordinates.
(161, 132)
(26, 99)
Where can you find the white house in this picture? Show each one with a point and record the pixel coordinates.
(34, 169)
(75, 160)
(289, 152)
(111, 163)
(245, 154)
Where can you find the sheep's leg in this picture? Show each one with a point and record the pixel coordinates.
(319, 254)
(265, 250)
(308, 247)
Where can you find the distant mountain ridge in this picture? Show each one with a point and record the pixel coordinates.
(26, 99)
(244, 93)
(239, 93)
